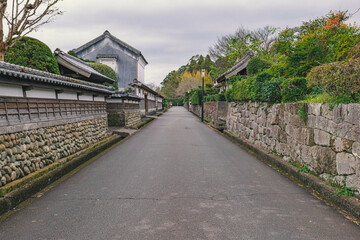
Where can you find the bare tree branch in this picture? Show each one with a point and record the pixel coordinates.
(24, 17)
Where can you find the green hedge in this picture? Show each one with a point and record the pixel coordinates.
(257, 65)
(229, 95)
(196, 97)
(244, 90)
(293, 89)
(32, 53)
(107, 71)
(337, 78)
(262, 87)
(215, 97)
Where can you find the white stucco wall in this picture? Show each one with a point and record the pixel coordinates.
(86, 97)
(67, 95)
(141, 70)
(7, 90)
(41, 93)
(99, 99)
(111, 62)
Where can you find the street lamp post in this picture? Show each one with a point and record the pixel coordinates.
(202, 94)
(188, 100)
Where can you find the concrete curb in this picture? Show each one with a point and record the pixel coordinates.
(55, 172)
(351, 205)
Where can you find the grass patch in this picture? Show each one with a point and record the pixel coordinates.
(342, 189)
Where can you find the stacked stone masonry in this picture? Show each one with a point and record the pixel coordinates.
(132, 118)
(22, 153)
(327, 140)
(214, 112)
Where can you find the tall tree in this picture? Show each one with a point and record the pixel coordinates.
(23, 17)
(200, 63)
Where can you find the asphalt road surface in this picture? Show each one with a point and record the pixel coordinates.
(177, 179)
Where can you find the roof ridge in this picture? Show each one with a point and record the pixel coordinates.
(108, 34)
(30, 71)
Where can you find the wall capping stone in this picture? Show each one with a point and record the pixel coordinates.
(20, 127)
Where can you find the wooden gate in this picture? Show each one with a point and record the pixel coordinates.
(146, 104)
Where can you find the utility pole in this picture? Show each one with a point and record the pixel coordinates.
(188, 100)
(202, 94)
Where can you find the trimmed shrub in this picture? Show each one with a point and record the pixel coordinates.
(107, 71)
(271, 91)
(209, 98)
(244, 90)
(260, 80)
(257, 65)
(196, 97)
(219, 97)
(229, 95)
(293, 89)
(32, 53)
(337, 78)
(355, 52)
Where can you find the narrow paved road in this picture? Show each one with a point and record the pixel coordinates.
(177, 179)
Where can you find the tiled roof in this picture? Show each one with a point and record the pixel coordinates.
(238, 66)
(126, 95)
(145, 87)
(16, 71)
(112, 37)
(80, 67)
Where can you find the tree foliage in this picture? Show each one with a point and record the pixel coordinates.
(32, 53)
(230, 48)
(177, 83)
(107, 71)
(322, 40)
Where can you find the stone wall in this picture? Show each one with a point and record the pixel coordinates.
(125, 118)
(30, 149)
(123, 114)
(328, 141)
(214, 112)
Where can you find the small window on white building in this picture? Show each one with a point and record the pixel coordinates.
(109, 60)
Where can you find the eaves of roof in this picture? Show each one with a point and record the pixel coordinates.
(145, 87)
(19, 72)
(240, 65)
(80, 67)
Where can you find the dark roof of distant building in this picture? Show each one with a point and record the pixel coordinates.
(145, 87)
(115, 39)
(12, 70)
(125, 95)
(238, 66)
(80, 67)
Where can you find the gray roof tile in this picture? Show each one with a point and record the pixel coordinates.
(12, 70)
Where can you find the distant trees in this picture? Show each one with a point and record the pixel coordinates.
(23, 17)
(187, 77)
(229, 48)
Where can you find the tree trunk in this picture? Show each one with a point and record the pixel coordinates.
(2, 51)
(2, 56)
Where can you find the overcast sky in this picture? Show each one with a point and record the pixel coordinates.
(169, 32)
